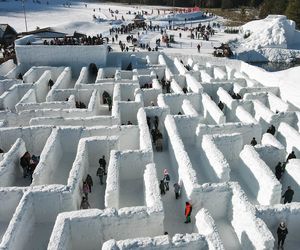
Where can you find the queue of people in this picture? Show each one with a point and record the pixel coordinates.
(88, 183)
(157, 137)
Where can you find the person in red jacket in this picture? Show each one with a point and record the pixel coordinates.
(188, 211)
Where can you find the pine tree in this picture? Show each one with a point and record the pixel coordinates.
(276, 7)
(227, 4)
(265, 9)
(256, 3)
(293, 11)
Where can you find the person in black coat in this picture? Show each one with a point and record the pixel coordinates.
(288, 195)
(102, 163)
(156, 120)
(253, 142)
(271, 130)
(291, 156)
(221, 105)
(162, 187)
(25, 162)
(278, 171)
(50, 83)
(281, 234)
(89, 181)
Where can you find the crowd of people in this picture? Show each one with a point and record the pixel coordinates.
(84, 40)
(166, 85)
(8, 52)
(202, 31)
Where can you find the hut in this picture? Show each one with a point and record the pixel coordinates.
(139, 21)
(47, 32)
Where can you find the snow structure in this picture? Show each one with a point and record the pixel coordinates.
(235, 195)
(274, 38)
(181, 17)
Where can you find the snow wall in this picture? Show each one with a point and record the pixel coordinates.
(227, 201)
(10, 169)
(286, 80)
(178, 241)
(73, 56)
(125, 223)
(259, 178)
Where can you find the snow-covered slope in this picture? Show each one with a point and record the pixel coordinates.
(271, 32)
(271, 39)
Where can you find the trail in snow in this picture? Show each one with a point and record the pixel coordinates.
(173, 209)
(96, 197)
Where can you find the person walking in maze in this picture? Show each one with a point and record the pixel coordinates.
(156, 120)
(288, 195)
(50, 84)
(188, 212)
(162, 187)
(109, 103)
(221, 105)
(100, 173)
(291, 156)
(168, 86)
(282, 231)
(85, 189)
(177, 190)
(166, 179)
(89, 181)
(25, 162)
(84, 203)
(278, 171)
(271, 130)
(102, 163)
(253, 142)
(104, 96)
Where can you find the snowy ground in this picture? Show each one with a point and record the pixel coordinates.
(42, 232)
(175, 208)
(58, 17)
(259, 47)
(96, 197)
(3, 227)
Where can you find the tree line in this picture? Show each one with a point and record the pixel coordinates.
(291, 8)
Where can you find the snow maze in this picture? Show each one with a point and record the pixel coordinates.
(231, 185)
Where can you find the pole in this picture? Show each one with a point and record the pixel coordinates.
(23, 3)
